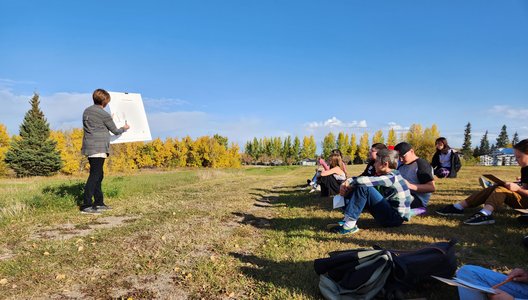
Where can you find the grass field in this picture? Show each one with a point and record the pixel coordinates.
(213, 234)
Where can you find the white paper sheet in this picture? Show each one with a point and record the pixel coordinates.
(468, 285)
(128, 107)
(338, 201)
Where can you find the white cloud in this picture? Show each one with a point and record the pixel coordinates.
(397, 127)
(336, 123)
(510, 112)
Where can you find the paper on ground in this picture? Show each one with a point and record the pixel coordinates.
(128, 107)
(465, 284)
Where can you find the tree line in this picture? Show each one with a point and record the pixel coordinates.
(39, 151)
(277, 150)
(484, 147)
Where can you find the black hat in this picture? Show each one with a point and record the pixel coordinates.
(403, 148)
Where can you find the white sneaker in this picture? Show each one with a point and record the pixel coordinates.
(312, 190)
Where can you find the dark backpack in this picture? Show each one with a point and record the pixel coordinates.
(412, 268)
(381, 273)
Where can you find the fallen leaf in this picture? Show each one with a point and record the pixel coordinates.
(60, 276)
(46, 253)
(3, 281)
(81, 248)
(231, 295)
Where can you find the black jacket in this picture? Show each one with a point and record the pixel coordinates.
(455, 163)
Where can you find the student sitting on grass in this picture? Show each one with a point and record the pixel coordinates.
(331, 179)
(370, 170)
(386, 196)
(493, 197)
(446, 162)
(516, 289)
(322, 167)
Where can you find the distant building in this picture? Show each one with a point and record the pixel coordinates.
(500, 157)
(308, 162)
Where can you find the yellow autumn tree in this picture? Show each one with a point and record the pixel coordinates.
(378, 137)
(352, 149)
(364, 147)
(4, 146)
(391, 139)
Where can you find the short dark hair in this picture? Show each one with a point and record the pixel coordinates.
(100, 97)
(522, 146)
(378, 146)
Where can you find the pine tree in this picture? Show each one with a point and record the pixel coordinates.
(466, 146)
(502, 139)
(484, 148)
(296, 149)
(515, 139)
(34, 153)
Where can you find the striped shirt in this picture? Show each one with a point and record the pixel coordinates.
(392, 187)
(96, 124)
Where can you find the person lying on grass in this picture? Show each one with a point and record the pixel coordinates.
(512, 193)
(386, 196)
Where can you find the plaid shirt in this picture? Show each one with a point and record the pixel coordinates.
(392, 187)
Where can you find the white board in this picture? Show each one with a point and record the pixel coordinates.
(128, 107)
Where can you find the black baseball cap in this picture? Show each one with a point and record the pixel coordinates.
(403, 148)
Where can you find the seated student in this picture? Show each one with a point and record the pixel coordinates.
(322, 166)
(386, 196)
(418, 173)
(493, 197)
(516, 289)
(342, 164)
(446, 162)
(331, 179)
(370, 170)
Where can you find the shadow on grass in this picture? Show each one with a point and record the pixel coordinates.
(298, 277)
(72, 191)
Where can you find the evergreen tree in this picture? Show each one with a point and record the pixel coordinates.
(502, 139)
(34, 153)
(466, 146)
(296, 149)
(484, 148)
(515, 139)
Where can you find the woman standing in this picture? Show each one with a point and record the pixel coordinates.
(96, 146)
(445, 161)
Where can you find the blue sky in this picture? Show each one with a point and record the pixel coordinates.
(272, 68)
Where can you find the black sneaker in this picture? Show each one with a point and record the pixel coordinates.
(90, 210)
(479, 219)
(450, 210)
(103, 207)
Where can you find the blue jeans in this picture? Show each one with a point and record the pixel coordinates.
(487, 277)
(379, 207)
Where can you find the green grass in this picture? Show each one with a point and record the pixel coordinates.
(251, 233)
